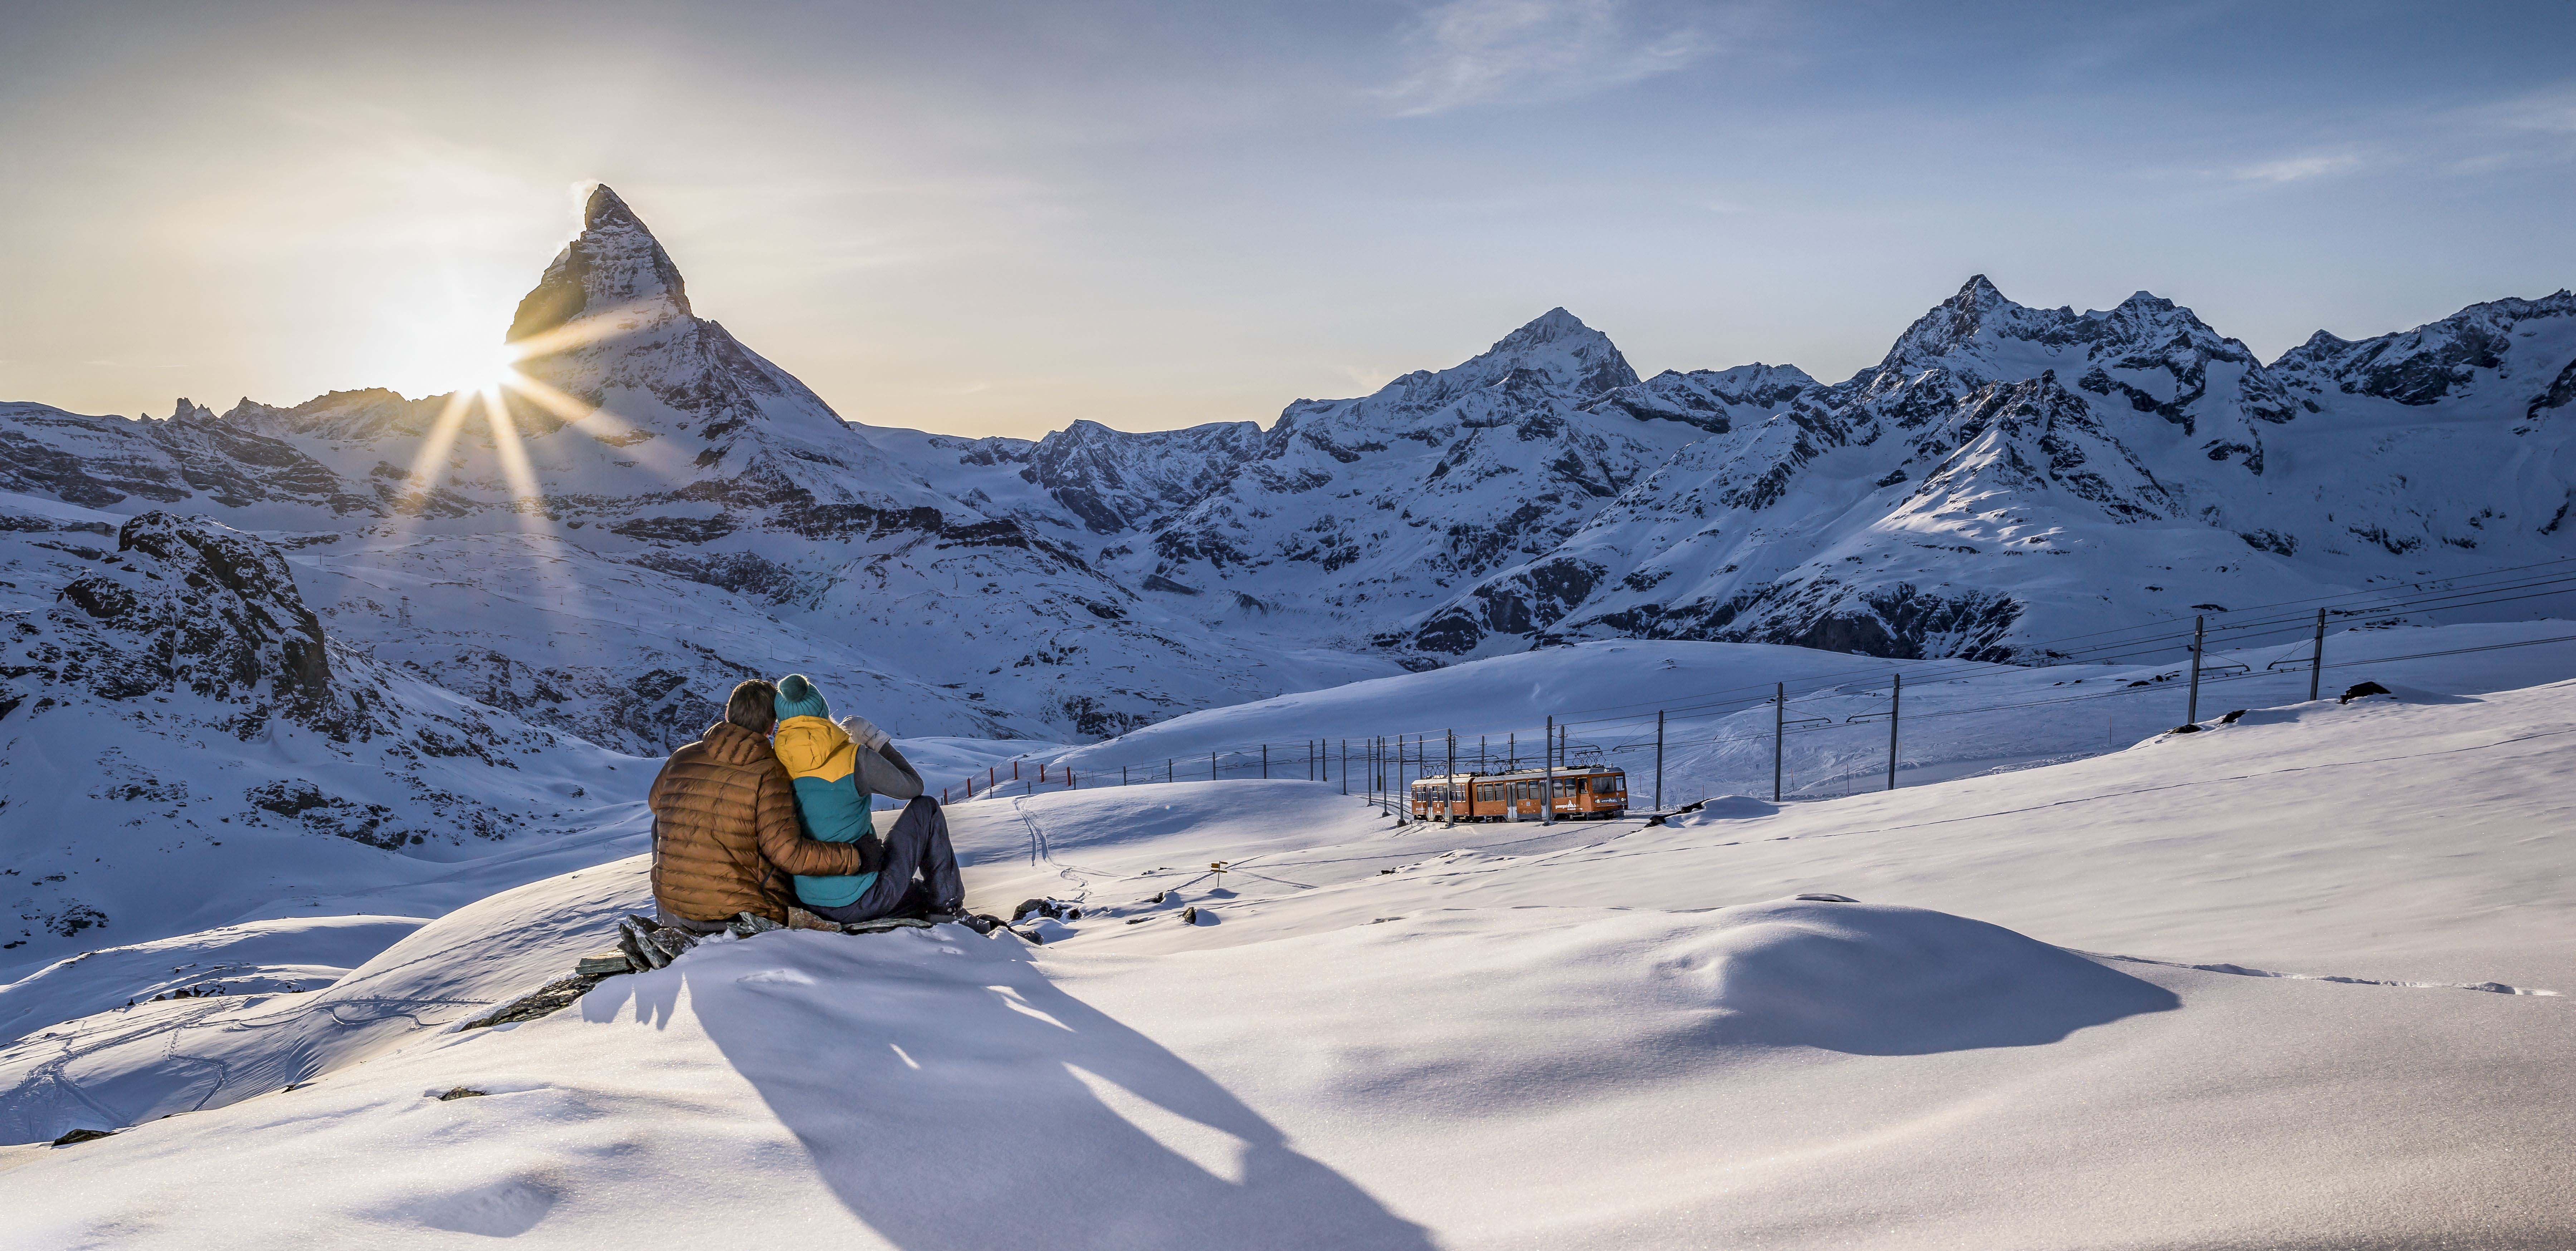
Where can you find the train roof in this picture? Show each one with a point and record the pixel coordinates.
(1518, 775)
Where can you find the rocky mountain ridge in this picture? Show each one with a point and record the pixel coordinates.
(2004, 476)
(1519, 499)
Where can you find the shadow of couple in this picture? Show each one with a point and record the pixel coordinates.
(953, 1097)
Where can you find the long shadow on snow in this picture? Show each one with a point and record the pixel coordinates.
(943, 1097)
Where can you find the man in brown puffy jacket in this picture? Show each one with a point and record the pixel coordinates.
(725, 838)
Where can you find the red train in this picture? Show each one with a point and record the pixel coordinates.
(1594, 792)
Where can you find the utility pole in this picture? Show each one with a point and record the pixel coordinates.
(1659, 760)
(2191, 711)
(2317, 662)
(1895, 704)
(1547, 792)
(1779, 733)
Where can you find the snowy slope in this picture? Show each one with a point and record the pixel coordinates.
(2283, 983)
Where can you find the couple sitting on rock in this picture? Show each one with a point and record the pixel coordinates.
(742, 824)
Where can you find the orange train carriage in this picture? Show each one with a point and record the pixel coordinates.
(1594, 792)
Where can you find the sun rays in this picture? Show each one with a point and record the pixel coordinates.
(509, 396)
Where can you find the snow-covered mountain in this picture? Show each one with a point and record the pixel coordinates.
(663, 511)
(2009, 475)
(652, 512)
(2004, 477)
(1349, 518)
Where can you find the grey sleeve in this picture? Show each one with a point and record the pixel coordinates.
(886, 772)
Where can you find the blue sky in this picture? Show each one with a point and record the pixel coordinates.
(991, 218)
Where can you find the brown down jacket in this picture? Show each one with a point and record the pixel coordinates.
(724, 831)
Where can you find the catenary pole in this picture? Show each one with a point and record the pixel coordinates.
(1547, 793)
(1659, 760)
(1449, 787)
(2317, 662)
(1779, 733)
(1895, 704)
(2191, 710)
(1265, 762)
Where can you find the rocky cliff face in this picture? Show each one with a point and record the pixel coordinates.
(188, 603)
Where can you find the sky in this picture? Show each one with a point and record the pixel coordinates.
(986, 218)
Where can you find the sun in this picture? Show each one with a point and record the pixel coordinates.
(490, 372)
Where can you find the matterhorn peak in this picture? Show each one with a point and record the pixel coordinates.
(604, 210)
(615, 264)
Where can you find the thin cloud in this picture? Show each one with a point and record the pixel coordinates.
(1469, 52)
(2550, 112)
(2297, 168)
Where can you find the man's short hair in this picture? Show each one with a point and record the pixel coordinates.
(753, 706)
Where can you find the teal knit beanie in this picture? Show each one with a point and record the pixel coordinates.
(798, 698)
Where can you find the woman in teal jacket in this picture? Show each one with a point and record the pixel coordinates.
(838, 769)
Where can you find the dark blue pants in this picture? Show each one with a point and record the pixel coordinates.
(920, 873)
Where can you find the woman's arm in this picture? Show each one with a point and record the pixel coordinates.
(885, 772)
